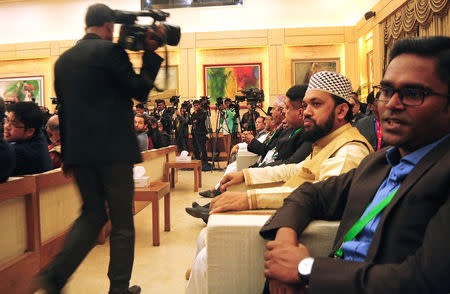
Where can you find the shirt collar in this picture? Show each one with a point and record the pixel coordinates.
(393, 154)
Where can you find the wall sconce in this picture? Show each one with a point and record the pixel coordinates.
(369, 14)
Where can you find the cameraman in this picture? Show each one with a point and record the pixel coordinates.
(249, 119)
(229, 125)
(96, 75)
(199, 132)
(181, 128)
(165, 116)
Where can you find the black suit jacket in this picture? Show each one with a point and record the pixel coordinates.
(367, 128)
(409, 252)
(95, 82)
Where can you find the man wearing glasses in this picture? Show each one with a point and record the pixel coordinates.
(394, 208)
(22, 129)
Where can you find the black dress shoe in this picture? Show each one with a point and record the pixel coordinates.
(132, 290)
(199, 212)
(195, 204)
(210, 193)
(44, 283)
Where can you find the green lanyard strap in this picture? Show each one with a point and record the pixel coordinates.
(295, 132)
(362, 222)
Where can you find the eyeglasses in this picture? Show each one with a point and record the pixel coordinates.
(12, 123)
(408, 96)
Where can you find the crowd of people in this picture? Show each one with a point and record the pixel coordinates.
(380, 167)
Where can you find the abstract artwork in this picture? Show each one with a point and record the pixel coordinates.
(23, 89)
(302, 70)
(227, 79)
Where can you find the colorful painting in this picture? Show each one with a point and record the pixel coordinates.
(302, 70)
(227, 80)
(23, 89)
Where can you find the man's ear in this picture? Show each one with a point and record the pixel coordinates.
(341, 110)
(29, 132)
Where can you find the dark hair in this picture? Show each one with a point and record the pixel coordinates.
(152, 120)
(437, 47)
(27, 113)
(338, 100)
(98, 14)
(160, 101)
(196, 102)
(371, 98)
(140, 105)
(263, 118)
(296, 92)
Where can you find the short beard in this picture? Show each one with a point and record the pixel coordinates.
(318, 132)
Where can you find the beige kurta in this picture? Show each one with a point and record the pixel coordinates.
(334, 154)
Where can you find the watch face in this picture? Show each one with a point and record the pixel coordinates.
(305, 266)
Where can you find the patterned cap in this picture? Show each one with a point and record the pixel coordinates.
(280, 101)
(332, 83)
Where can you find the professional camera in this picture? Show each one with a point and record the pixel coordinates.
(204, 102)
(252, 95)
(132, 35)
(219, 101)
(175, 100)
(55, 100)
(187, 105)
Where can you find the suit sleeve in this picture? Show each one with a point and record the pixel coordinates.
(425, 271)
(321, 200)
(257, 147)
(299, 155)
(134, 85)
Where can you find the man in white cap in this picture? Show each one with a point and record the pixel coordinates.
(338, 147)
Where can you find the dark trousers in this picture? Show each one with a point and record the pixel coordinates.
(182, 143)
(114, 184)
(199, 141)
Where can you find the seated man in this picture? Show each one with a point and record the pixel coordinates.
(285, 145)
(356, 108)
(291, 141)
(394, 208)
(7, 156)
(23, 130)
(54, 149)
(338, 148)
(141, 128)
(370, 126)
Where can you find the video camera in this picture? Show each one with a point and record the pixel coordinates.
(204, 102)
(132, 35)
(252, 95)
(187, 105)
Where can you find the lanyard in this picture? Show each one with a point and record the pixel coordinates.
(379, 133)
(295, 132)
(362, 222)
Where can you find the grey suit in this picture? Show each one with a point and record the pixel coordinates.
(409, 250)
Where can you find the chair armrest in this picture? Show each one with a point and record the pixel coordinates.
(235, 262)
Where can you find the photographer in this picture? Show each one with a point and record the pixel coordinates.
(165, 116)
(199, 132)
(249, 119)
(228, 123)
(181, 128)
(96, 75)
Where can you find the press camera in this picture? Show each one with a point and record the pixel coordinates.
(252, 95)
(132, 35)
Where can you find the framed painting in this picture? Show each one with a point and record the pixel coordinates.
(227, 79)
(170, 87)
(19, 89)
(302, 70)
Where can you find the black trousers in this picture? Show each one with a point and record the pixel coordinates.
(199, 141)
(112, 184)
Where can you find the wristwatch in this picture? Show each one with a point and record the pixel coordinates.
(304, 269)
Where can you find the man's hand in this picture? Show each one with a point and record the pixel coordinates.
(150, 43)
(229, 201)
(282, 261)
(235, 149)
(247, 137)
(231, 179)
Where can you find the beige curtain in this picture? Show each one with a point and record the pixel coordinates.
(416, 18)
